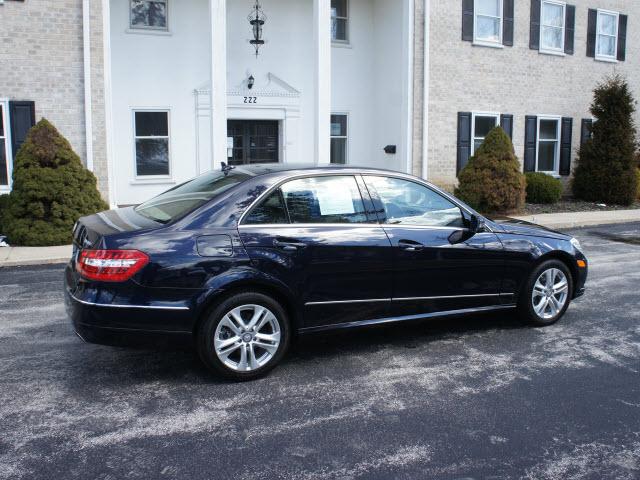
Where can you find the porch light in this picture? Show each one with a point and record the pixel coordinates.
(250, 82)
(256, 19)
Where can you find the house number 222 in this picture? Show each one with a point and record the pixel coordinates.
(250, 99)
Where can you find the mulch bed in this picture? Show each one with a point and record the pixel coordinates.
(570, 205)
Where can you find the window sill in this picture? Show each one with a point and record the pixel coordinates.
(335, 44)
(606, 59)
(556, 53)
(153, 181)
(148, 31)
(480, 43)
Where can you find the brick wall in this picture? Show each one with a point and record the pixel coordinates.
(514, 80)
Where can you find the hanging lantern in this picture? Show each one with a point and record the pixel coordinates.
(256, 19)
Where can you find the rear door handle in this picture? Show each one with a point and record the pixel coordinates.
(410, 245)
(287, 245)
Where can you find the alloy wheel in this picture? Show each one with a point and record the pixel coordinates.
(247, 338)
(550, 293)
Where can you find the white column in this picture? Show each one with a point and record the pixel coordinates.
(218, 22)
(425, 96)
(322, 57)
(86, 50)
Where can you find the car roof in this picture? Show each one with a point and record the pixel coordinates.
(295, 168)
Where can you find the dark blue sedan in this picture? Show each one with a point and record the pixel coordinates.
(239, 260)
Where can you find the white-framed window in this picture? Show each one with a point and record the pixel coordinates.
(339, 21)
(487, 22)
(152, 145)
(607, 35)
(6, 162)
(552, 26)
(481, 124)
(548, 151)
(149, 14)
(339, 138)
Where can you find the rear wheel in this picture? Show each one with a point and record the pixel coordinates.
(244, 337)
(546, 294)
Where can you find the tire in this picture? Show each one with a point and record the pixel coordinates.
(227, 345)
(540, 305)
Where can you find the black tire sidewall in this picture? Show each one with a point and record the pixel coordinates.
(206, 333)
(526, 306)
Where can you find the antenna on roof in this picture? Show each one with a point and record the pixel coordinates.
(226, 168)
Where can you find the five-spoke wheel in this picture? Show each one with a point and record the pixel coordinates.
(547, 293)
(244, 336)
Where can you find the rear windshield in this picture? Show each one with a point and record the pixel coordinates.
(185, 198)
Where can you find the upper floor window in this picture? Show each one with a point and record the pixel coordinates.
(151, 135)
(607, 34)
(552, 26)
(339, 21)
(339, 138)
(488, 21)
(409, 203)
(481, 125)
(149, 14)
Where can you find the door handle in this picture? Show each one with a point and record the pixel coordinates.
(288, 246)
(410, 245)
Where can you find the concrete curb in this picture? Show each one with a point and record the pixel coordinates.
(26, 256)
(582, 219)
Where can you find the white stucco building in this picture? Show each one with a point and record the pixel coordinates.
(153, 92)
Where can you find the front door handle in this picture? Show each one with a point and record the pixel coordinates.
(287, 245)
(410, 245)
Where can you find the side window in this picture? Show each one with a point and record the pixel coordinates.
(270, 211)
(324, 200)
(409, 203)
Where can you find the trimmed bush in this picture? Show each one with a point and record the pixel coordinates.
(4, 204)
(607, 163)
(51, 190)
(492, 181)
(543, 188)
(637, 189)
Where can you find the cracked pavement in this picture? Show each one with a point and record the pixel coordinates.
(480, 397)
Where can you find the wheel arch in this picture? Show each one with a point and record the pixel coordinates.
(565, 258)
(216, 297)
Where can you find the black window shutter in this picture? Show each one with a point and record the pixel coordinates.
(534, 31)
(585, 130)
(467, 20)
(565, 145)
(507, 23)
(530, 142)
(464, 140)
(506, 122)
(591, 33)
(22, 116)
(622, 38)
(569, 29)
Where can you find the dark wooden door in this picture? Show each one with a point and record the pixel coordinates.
(254, 141)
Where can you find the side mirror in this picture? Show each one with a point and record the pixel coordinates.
(476, 224)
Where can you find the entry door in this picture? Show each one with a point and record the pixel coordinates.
(254, 141)
(438, 264)
(314, 235)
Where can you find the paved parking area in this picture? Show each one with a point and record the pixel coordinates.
(482, 397)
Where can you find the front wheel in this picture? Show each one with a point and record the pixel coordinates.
(244, 337)
(546, 294)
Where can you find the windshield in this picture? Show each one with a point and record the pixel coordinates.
(185, 198)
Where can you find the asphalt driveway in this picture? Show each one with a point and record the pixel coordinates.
(480, 397)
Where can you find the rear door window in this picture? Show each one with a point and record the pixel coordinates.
(325, 199)
(270, 211)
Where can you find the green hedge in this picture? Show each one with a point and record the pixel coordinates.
(543, 188)
(492, 180)
(51, 190)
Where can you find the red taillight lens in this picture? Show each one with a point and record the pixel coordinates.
(110, 265)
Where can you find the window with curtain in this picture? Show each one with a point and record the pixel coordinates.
(339, 21)
(607, 34)
(148, 14)
(548, 145)
(552, 26)
(488, 21)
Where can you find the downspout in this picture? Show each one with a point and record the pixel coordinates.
(88, 123)
(425, 93)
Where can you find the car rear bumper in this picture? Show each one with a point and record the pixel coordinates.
(105, 316)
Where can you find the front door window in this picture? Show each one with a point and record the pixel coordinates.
(254, 141)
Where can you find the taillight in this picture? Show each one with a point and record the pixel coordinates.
(110, 265)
